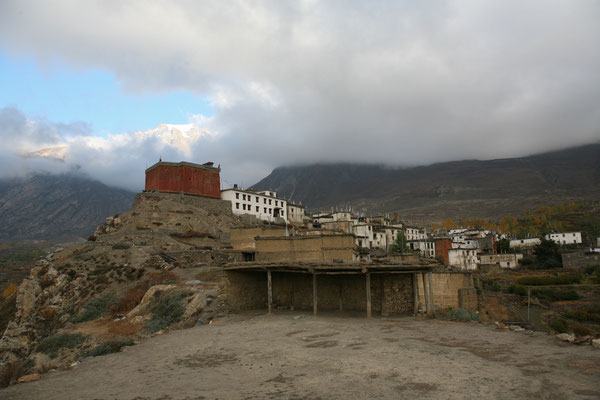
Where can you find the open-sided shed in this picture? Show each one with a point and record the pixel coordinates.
(386, 288)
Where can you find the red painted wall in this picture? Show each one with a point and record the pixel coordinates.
(441, 249)
(182, 178)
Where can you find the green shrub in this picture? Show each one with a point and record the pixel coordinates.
(111, 346)
(166, 309)
(589, 315)
(121, 246)
(558, 325)
(540, 280)
(518, 290)
(526, 261)
(555, 295)
(96, 308)
(492, 286)
(53, 344)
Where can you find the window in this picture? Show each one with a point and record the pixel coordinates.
(237, 196)
(269, 201)
(270, 211)
(243, 206)
(243, 197)
(282, 212)
(237, 205)
(265, 210)
(256, 208)
(257, 200)
(265, 201)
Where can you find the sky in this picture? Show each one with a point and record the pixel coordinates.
(257, 85)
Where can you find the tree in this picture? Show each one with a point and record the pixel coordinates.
(503, 246)
(400, 245)
(547, 254)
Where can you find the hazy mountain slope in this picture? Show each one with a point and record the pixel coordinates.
(459, 189)
(54, 207)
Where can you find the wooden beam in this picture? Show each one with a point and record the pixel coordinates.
(426, 295)
(430, 275)
(270, 291)
(315, 299)
(368, 275)
(415, 293)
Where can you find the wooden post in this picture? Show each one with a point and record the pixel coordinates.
(415, 293)
(425, 294)
(270, 291)
(292, 297)
(430, 275)
(368, 275)
(315, 294)
(341, 301)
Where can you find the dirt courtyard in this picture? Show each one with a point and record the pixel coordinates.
(293, 355)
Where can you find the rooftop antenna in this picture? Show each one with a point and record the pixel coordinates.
(160, 159)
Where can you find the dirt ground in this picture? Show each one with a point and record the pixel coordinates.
(292, 355)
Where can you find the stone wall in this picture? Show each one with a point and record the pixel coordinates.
(445, 288)
(580, 259)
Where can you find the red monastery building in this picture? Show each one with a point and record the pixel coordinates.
(184, 177)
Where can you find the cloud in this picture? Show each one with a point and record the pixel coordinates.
(397, 82)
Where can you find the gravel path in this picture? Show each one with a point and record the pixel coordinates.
(331, 357)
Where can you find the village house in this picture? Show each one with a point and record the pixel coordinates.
(424, 246)
(295, 213)
(509, 260)
(564, 238)
(413, 233)
(264, 205)
(524, 243)
(463, 258)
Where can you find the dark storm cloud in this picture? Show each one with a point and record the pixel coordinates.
(303, 81)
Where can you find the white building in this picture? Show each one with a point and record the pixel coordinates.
(364, 235)
(415, 233)
(425, 247)
(295, 214)
(524, 242)
(463, 258)
(263, 205)
(509, 260)
(565, 238)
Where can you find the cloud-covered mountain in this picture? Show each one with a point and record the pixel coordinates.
(461, 189)
(400, 82)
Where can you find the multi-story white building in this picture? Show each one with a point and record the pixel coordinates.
(364, 234)
(463, 258)
(263, 205)
(415, 233)
(565, 238)
(295, 213)
(425, 247)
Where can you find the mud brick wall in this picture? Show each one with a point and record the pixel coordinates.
(306, 248)
(246, 290)
(467, 298)
(390, 294)
(445, 288)
(243, 238)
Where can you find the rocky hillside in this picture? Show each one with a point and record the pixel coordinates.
(135, 277)
(56, 207)
(459, 189)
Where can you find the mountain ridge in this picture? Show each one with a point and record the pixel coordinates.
(56, 207)
(459, 189)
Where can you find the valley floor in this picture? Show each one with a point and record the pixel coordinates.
(294, 355)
